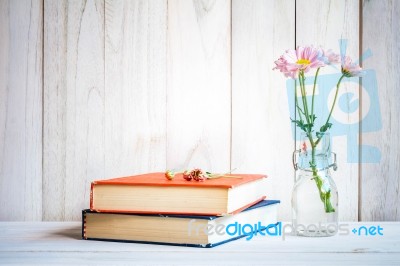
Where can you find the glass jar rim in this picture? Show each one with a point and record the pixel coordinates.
(296, 165)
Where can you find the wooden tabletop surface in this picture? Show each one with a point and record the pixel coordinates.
(53, 243)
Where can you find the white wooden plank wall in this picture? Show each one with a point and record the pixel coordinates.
(380, 190)
(261, 129)
(74, 105)
(135, 87)
(54, 108)
(198, 85)
(21, 110)
(138, 86)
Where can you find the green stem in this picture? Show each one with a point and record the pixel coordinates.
(313, 91)
(333, 105)
(334, 100)
(304, 96)
(297, 102)
(324, 196)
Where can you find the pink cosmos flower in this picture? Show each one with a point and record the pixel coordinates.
(350, 69)
(330, 57)
(281, 65)
(303, 58)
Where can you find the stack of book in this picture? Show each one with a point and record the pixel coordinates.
(149, 208)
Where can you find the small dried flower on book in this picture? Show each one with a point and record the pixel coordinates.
(197, 175)
(187, 176)
(169, 175)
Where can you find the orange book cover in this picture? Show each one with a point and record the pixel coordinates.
(159, 180)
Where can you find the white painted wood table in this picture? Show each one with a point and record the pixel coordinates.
(60, 243)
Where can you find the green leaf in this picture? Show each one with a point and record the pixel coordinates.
(312, 118)
(325, 127)
(300, 124)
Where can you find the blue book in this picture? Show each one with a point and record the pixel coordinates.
(181, 230)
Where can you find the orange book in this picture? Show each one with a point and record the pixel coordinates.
(153, 193)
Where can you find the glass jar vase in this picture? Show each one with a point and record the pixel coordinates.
(314, 195)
